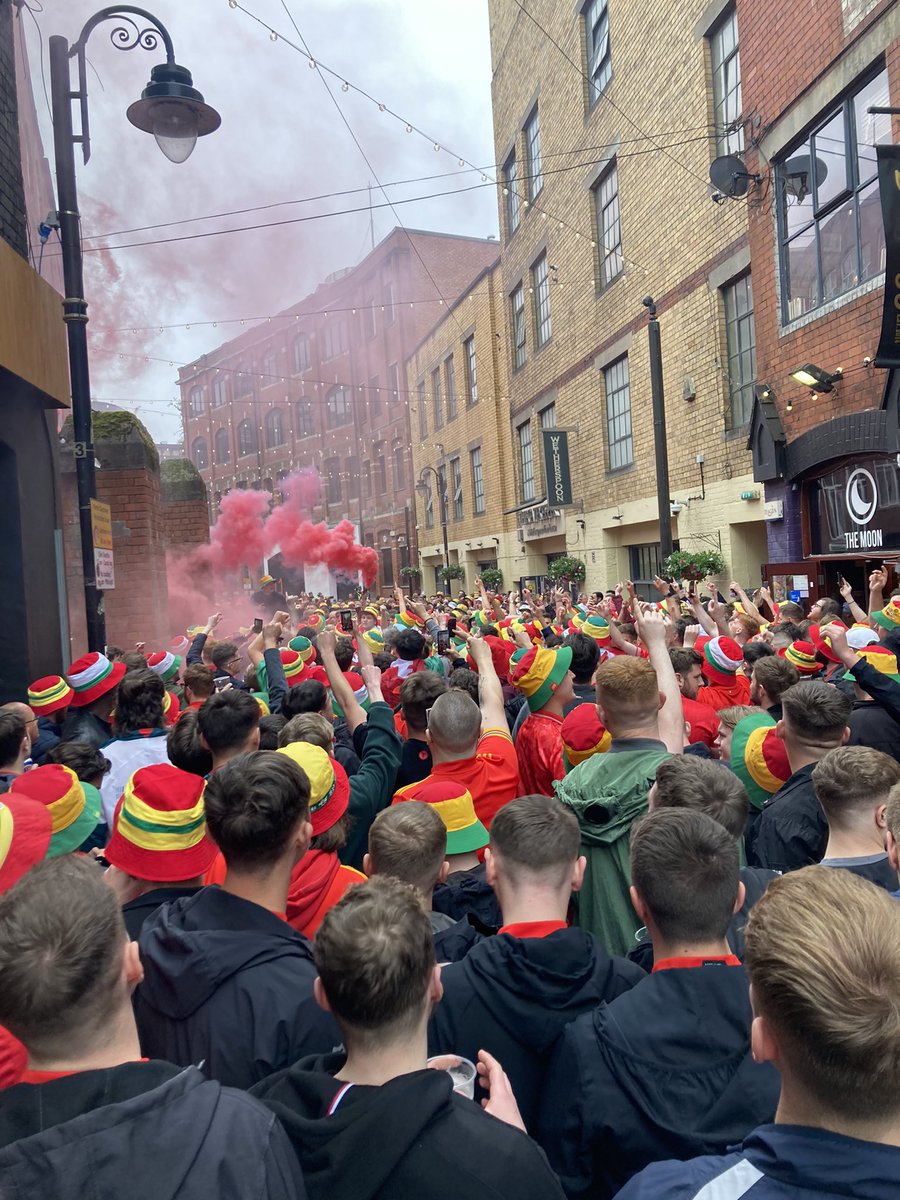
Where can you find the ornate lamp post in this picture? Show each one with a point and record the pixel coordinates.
(424, 486)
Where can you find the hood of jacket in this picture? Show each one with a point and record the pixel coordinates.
(310, 880)
(58, 1136)
(533, 986)
(353, 1153)
(191, 947)
(695, 1070)
(609, 792)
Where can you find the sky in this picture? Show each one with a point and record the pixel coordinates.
(281, 139)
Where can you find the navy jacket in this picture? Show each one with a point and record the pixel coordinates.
(514, 996)
(412, 1138)
(229, 985)
(791, 831)
(663, 1072)
(48, 738)
(778, 1162)
(468, 892)
(149, 1131)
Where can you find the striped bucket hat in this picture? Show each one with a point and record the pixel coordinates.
(803, 656)
(758, 757)
(74, 806)
(25, 829)
(454, 805)
(165, 664)
(91, 677)
(583, 734)
(722, 657)
(49, 695)
(159, 826)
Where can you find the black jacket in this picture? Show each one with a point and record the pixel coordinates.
(514, 996)
(755, 881)
(412, 1138)
(791, 831)
(466, 892)
(148, 1131)
(136, 911)
(82, 726)
(229, 985)
(455, 942)
(663, 1072)
(871, 725)
(884, 690)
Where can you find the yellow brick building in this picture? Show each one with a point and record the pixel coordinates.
(606, 120)
(458, 382)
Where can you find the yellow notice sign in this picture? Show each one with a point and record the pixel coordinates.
(101, 522)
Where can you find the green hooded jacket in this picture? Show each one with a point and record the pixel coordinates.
(607, 794)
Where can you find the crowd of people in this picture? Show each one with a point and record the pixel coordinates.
(536, 895)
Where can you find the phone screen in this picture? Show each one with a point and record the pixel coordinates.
(257, 625)
(222, 683)
(451, 624)
(443, 641)
(346, 620)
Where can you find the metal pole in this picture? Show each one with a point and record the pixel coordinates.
(75, 317)
(659, 433)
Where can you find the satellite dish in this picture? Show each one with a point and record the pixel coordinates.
(797, 176)
(729, 175)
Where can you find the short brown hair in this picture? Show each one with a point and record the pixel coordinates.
(776, 675)
(627, 690)
(61, 944)
(816, 714)
(683, 658)
(853, 779)
(823, 953)
(199, 679)
(134, 660)
(409, 842)
(730, 716)
(536, 835)
(374, 952)
(892, 814)
(253, 807)
(417, 694)
(686, 781)
(308, 727)
(455, 722)
(686, 869)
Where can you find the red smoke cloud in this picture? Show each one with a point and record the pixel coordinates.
(244, 536)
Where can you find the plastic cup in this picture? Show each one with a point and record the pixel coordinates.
(460, 1070)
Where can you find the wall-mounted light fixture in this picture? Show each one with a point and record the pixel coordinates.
(812, 376)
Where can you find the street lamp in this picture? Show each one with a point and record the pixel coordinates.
(424, 486)
(172, 110)
(660, 432)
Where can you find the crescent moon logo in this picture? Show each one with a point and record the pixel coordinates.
(861, 496)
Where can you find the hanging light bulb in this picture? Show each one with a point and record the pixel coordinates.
(381, 107)
(345, 86)
(273, 36)
(312, 64)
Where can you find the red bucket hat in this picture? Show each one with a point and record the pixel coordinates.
(722, 657)
(583, 734)
(159, 826)
(91, 677)
(49, 695)
(25, 829)
(328, 782)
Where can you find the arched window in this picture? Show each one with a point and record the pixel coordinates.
(220, 393)
(338, 406)
(223, 447)
(304, 422)
(248, 442)
(244, 381)
(269, 369)
(274, 428)
(300, 354)
(200, 453)
(196, 401)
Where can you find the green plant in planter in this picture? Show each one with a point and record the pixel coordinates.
(567, 570)
(454, 571)
(492, 578)
(411, 572)
(694, 565)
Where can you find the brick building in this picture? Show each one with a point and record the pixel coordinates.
(605, 140)
(828, 458)
(321, 385)
(459, 382)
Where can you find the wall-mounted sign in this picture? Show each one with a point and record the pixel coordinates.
(855, 508)
(556, 467)
(539, 522)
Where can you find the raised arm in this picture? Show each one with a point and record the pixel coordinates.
(855, 611)
(749, 607)
(653, 628)
(493, 713)
(354, 713)
(878, 581)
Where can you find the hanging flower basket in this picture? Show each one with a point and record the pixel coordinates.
(492, 578)
(411, 572)
(693, 565)
(454, 571)
(567, 570)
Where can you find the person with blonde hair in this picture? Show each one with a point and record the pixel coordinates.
(823, 956)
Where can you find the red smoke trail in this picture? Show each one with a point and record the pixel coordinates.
(238, 537)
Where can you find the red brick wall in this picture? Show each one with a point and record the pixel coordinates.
(185, 523)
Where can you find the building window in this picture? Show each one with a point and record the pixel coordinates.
(741, 342)
(353, 478)
(526, 461)
(370, 325)
(644, 563)
(196, 401)
(540, 283)
(620, 448)
(374, 396)
(222, 447)
(533, 154)
(335, 339)
(338, 406)
(393, 384)
(471, 370)
(829, 212)
(423, 409)
(517, 315)
(270, 368)
(387, 300)
(219, 393)
(243, 381)
(399, 468)
(200, 453)
(450, 380)
(274, 428)
(599, 55)
(437, 398)
(333, 480)
(382, 469)
(248, 440)
(609, 229)
(300, 353)
(303, 412)
(511, 192)
(477, 480)
(726, 80)
(456, 479)
(547, 417)
(367, 480)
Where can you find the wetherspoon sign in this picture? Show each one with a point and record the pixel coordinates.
(556, 467)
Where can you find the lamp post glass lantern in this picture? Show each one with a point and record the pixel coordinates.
(172, 110)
